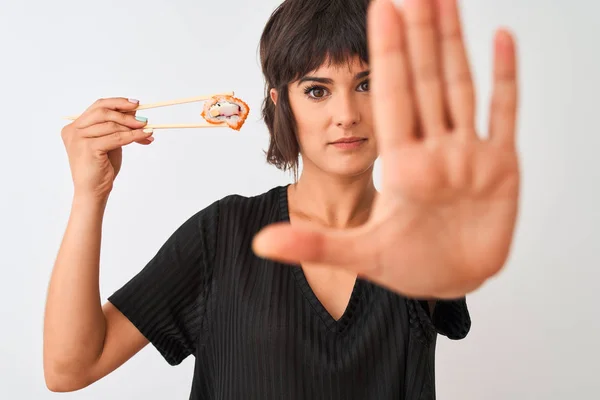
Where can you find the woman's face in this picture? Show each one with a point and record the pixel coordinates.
(329, 104)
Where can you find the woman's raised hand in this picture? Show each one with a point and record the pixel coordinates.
(94, 144)
(445, 218)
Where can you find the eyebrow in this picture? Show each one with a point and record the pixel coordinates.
(329, 81)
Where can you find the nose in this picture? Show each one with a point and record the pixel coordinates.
(347, 112)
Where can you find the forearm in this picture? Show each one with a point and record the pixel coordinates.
(74, 324)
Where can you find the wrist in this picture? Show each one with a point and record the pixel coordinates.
(89, 201)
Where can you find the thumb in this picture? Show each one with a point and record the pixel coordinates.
(295, 244)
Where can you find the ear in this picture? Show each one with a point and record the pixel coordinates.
(273, 93)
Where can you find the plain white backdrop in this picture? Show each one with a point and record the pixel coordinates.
(535, 326)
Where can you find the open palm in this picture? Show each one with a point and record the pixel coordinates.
(445, 218)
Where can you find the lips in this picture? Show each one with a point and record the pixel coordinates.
(349, 140)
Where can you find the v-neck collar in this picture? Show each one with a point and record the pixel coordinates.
(330, 322)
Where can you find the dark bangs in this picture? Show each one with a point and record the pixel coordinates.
(300, 37)
(302, 34)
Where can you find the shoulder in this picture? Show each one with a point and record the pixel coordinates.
(238, 204)
(264, 205)
(233, 214)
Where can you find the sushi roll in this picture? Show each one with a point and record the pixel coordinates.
(228, 109)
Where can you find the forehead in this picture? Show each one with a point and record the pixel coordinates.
(350, 67)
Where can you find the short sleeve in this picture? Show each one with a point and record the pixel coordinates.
(450, 318)
(166, 300)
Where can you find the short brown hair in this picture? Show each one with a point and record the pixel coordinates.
(299, 37)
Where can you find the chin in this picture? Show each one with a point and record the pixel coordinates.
(350, 168)
(342, 164)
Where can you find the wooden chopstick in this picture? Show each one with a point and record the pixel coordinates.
(182, 126)
(170, 103)
(181, 101)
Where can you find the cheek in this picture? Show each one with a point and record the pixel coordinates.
(311, 121)
(309, 141)
(311, 131)
(367, 112)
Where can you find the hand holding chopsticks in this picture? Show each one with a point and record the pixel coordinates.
(95, 139)
(220, 110)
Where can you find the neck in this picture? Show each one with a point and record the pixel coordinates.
(333, 201)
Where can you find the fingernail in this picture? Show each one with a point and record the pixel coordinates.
(149, 130)
(141, 119)
(133, 100)
(150, 139)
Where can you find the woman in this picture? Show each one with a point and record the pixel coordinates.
(343, 296)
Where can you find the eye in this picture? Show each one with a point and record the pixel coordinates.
(318, 92)
(365, 84)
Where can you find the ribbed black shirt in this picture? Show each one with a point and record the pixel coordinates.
(258, 331)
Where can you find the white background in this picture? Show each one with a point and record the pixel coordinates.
(535, 327)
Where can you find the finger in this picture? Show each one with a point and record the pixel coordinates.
(457, 75)
(134, 112)
(103, 129)
(100, 115)
(297, 244)
(146, 141)
(503, 108)
(423, 50)
(120, 139)
(114, 103)
(392, 101)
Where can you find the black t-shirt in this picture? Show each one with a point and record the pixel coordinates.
(258, 331)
